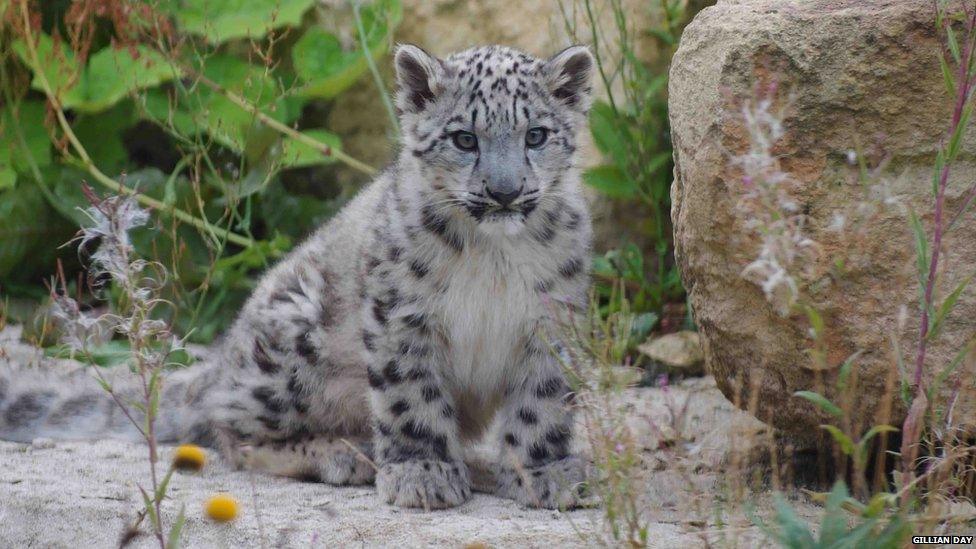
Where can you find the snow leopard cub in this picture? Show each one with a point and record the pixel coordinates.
(421, 313)
(432, 293)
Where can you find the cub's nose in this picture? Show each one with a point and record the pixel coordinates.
(503, 194)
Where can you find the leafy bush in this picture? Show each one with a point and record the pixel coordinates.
(209, 112)
(630, 130)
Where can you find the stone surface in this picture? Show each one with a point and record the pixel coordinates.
(66, 494)
(677, 352)
(853, 74)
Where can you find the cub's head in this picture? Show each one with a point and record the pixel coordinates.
(491, 130)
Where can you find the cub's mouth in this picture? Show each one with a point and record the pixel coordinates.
(487, 212)
(502, 214)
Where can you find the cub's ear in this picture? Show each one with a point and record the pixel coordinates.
(420, 78)
(569, 73)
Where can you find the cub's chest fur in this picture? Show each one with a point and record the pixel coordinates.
(487, 307)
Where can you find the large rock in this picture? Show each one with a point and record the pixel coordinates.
(856, 73)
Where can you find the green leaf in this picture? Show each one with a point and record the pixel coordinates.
(793, 531)
(71, 200)
(862, 444)
(26, 122)
(222, 20)
(58, 64)
(162, 107)
(324, 66)
(937, 172)
(658, 161)
(955, 141)
(821, 402)
(8, 177)
(326, 69)
(603, 267)
(293, 213)
(111, 353)
(633, 260)
(921, 254)
(102, 135)
(149, 508)
(609, 129)
(951, 367)
(24, 227)
(642, 325)
(176, 530)
(953, 43)
(816, 321)
(297, 154)
(833, 525)
(154, 384)
(842, 440)
(947, 77)
(877, 504)
(610, 181)
(845, 370)
(111, 74)
(946, 307)
(164, 484)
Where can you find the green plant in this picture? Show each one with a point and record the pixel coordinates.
(872, 528)
(630, 129)
(205, 112)
(595, 344)
(624, 288)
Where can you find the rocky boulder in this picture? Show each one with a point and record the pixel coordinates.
(852, 75)
(676, 353)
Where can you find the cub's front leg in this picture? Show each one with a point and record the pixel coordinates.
(415, 431)
(537, 467)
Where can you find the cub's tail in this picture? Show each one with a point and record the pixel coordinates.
(48, 401)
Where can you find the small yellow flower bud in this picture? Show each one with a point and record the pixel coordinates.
(189, 457)
(221, 508)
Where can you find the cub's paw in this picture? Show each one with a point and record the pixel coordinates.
(556, 485)
(346, 468)
(426, 484)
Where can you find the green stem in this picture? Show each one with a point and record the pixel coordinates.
(380, 86)
(596, 53)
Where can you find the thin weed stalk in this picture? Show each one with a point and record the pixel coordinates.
(150, 341)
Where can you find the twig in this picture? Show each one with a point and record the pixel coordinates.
(284, 129)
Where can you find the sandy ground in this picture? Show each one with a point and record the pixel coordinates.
(83, 494)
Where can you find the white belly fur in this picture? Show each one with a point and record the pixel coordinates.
(486, 311)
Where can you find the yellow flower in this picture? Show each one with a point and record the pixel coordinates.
(221, 508)
(189, 457)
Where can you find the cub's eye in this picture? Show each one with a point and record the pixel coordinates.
(466, 141)
(535, 137)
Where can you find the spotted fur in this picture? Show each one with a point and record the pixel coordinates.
(422, 312)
